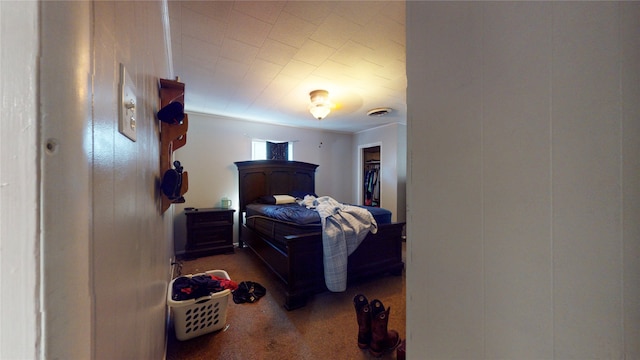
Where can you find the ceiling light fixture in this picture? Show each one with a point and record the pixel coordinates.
(320, 106)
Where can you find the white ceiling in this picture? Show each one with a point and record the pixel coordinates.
(258, 60)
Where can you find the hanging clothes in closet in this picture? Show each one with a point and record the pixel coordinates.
(372, 186)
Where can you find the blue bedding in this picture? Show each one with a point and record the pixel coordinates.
(298, 214)
(286, 212)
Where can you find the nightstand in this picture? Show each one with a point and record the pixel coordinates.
(209, 231)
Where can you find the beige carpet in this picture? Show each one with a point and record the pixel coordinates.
(325, 328)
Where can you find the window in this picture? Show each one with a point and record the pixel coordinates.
(259, 149)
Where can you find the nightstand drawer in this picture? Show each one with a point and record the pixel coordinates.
(209, 217)
(210, 235)
(209, 231)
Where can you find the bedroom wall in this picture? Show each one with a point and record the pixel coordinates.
(524, 180)
(393, 145)
(105, 246)
(214, 143)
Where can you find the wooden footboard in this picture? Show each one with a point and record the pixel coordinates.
(300, 267)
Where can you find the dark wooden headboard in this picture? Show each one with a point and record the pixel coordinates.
(273, 177)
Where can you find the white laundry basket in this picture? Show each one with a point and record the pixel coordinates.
(195, 317)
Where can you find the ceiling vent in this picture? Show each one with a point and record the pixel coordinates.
(379, 111)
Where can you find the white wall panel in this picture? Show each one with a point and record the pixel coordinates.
(630, 86)
(65, 123)
(130, 241)
(19, 180)
(445, 243)
(106, 248)
(586, 181)
(516, 181)
(523, 180)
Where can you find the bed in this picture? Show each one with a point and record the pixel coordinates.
(294, 252)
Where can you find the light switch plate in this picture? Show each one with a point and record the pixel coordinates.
(127, 104)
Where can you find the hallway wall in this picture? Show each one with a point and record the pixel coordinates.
(524, 180)
(106, 246)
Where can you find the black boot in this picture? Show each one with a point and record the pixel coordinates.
(363, 315)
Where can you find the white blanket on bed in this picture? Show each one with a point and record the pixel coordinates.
(344, 227)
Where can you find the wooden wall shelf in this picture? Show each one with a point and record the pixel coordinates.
(172, 136)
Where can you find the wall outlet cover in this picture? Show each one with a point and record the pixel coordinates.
(127, 103)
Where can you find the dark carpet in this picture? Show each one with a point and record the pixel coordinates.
(326, 328)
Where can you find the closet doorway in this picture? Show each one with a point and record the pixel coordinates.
(370, 170)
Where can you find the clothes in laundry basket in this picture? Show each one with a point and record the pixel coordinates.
(185, 288)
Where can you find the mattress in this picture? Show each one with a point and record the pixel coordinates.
(276, 222)
(300, 215)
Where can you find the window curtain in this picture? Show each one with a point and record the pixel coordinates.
(277, 151)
